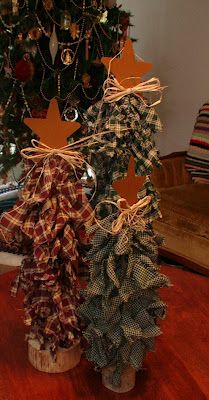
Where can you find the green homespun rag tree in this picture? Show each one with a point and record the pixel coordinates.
(122, 305)
(52, 48)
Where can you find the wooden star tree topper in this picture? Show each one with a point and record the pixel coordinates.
(128, 187)
(51, 130)
(126, 68)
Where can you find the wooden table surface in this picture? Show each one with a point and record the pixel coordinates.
(178, 370)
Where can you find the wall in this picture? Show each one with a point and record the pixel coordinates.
(174, 36)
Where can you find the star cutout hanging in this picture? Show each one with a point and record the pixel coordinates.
(52, 130)
(127, 66)
(128, 187)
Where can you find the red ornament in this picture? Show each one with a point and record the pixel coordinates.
(24, 69)
(39, 114)
(124, 22)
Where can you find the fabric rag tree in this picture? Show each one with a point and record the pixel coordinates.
(50, 218)
(131, 123)
(52, 48)
(122, 306)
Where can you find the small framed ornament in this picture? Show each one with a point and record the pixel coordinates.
(67, 56)
(71, 114)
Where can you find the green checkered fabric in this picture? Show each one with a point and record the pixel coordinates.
(110, 155)
(121, 303)
(140, 123)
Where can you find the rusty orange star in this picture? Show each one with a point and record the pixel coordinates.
(128, 187)
(127, 66)
(52, 130)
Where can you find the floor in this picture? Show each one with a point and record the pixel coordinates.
(178, 370)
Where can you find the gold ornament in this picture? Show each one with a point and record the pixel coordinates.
(65, 20)
(34, 33)
(19, 38)
(86, 80)
(74, 30)
(67, 56)
(48, 4)
(15, 7)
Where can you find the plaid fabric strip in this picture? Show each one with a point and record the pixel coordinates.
(110, 155)
(121, 303)
(52, 215)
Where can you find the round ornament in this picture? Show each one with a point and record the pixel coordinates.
(67, 56)
(86, 78)
(71, 114)
(48, 4)
(24, 69)
(34, 33)
(19, 38)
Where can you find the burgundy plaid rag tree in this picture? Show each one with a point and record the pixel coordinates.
(51, 218)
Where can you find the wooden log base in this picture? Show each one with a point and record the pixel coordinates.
(128, 379)
(42, 359)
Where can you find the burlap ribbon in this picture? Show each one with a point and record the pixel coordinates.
(114, 91)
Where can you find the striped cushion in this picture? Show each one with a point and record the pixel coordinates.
(197, 159)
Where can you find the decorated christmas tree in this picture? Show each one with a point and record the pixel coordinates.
(52, 48)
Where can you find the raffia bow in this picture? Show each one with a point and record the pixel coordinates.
(41, 151)
(131, 215)
(114, 91)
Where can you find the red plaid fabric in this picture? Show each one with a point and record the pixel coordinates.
(52, 215)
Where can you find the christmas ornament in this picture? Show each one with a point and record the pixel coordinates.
(24, 69)
(67, 56)
(110, 3)
(74, 31)
(65, 20)
(48, 4)
(71, 114)
(87, 37)
(86, 78)
(53, 44)
(103, 18)
(15, 7)
(35, 33)
(19, 38)
(52, 130)
(39, 114)
(127, 69)
(5, 7)
(2, 111)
